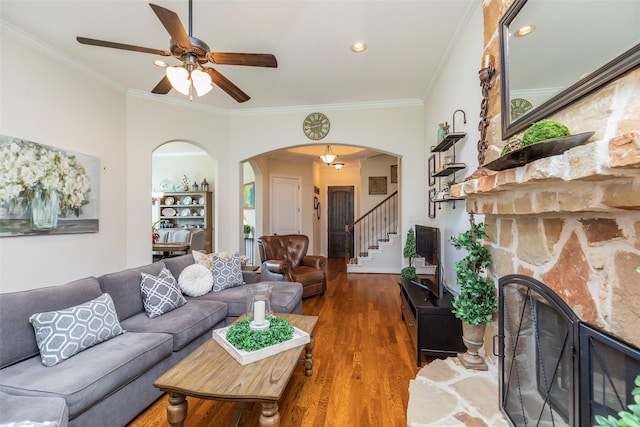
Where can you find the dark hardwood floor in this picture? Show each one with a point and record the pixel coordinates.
(364, 360)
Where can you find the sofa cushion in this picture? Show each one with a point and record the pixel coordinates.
(18, 342)
(124, 288)
(160, 294)
(184, 323)
(285, 297)
(63, 333)
(22, 411)
(227, 271)
(195, 280)
(179, 263)
(89, 376)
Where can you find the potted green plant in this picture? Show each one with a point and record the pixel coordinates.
(630, 418)
(410, 253)
(246, 229)
(476, 303)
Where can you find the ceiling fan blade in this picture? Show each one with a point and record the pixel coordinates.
(250, 59)
(172, 24)
(122, 46)
(163, 87)
(226, 85)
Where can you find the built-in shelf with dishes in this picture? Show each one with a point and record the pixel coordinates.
(188, 209)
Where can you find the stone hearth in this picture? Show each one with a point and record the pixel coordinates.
(445, 394)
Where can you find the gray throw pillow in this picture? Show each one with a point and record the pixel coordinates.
(63, 333)
(160, 294)
(227, 272)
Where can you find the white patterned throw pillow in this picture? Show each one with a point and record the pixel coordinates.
(61, 334)
(227, 271)
(195, 280)
(160, 294)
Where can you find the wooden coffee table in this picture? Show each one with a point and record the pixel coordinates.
(212, 373)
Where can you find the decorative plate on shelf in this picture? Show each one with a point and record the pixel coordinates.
(538, 150)
(168, 212)
(169, 200)
(186, 200)
(201, 201)
(185, 212)
(201, 212)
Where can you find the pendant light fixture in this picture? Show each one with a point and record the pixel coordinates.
(338, 165)
(328, 157)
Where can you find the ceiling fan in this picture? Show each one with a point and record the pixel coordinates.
(191, 75)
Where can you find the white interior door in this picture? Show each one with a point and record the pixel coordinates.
(285, 205)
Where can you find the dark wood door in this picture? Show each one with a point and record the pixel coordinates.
(340, 212)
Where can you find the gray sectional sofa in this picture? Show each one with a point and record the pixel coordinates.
(112, 382)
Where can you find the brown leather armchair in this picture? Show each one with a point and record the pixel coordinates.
(284, 258)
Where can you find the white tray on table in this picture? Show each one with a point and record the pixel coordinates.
(244, 357)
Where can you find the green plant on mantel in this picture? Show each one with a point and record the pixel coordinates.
(246, 229)
(410, 253)
(476, 303)
(629, 418)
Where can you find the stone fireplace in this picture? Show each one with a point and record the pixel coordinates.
(572, 221)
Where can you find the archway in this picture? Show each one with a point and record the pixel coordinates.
(179, 171)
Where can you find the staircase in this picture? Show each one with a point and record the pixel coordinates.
(378, 246)
(376, 240)
(382, 257)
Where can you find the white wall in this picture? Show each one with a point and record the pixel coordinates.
(458, 87)
(50, 103)
(374, 167)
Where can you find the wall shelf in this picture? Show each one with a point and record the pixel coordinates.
(448, 141)
(449, 169)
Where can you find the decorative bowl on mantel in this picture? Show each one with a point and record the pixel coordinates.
(539, 150)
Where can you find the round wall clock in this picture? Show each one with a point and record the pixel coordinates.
(316, 126)
(519, 106)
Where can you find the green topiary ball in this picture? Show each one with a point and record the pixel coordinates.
(542, 130)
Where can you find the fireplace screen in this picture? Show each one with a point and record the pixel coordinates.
(555, 370)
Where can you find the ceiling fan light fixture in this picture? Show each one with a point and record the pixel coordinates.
(179, 78)
(328, 157)
(201, 82)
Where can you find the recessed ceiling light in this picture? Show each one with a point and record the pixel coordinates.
(359, 47)
(525, 31)
(160, 63)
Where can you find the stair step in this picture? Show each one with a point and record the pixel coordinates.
(374, 247)
(384, 240)
(364, 254)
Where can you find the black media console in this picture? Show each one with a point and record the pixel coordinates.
(433, 328)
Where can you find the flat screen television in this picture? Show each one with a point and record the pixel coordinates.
(427, 247)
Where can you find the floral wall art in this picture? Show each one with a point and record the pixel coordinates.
(46, 190)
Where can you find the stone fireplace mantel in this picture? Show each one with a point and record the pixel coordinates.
(601, 176)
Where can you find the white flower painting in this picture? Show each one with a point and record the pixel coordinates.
(45, 190)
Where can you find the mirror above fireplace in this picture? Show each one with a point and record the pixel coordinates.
(574, 48)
